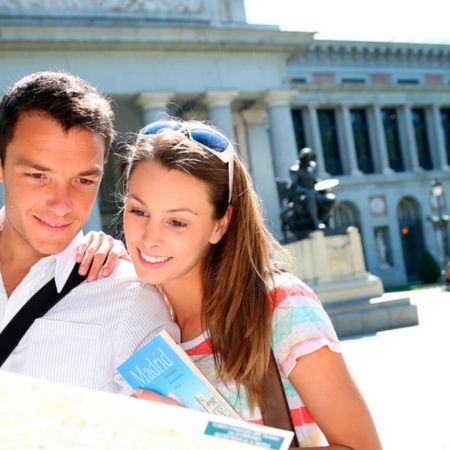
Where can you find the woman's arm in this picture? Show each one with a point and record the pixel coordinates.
(328, 390)
(102, 251)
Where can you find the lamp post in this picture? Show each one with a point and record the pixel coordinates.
(440, 222)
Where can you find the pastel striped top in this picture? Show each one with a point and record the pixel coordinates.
(300, 326)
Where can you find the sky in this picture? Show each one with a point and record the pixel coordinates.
(381, 20)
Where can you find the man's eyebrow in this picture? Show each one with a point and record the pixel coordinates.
(91, 172)
(35, 166)
(86, 173)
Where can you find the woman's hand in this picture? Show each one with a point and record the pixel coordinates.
(154, 397)
(102, 251)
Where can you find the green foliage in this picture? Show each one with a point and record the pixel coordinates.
(428, 269)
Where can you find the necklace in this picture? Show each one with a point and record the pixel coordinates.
(164, 296)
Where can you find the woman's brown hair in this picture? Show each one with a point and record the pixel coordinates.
(238, 270)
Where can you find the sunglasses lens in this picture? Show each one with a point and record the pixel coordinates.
(155, 127)
(210, 140)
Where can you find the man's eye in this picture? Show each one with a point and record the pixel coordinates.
(37, 176)
(85, 181)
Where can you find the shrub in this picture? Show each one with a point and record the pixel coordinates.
(428, 270)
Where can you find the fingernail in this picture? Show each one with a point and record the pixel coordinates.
(138, 392)
(105, 272)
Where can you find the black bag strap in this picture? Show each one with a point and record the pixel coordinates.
(38, 305)
(276, 408)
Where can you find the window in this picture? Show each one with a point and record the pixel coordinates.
(328, 133)
(299, 129)
(362, 143)
(299, 80)
(421, 133)
(353, 81)
(445, 114)
(390, 123)
(407, 81)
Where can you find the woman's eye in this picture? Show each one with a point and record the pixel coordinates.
(137, 212)
(177, 224)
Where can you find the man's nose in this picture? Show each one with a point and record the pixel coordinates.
(59, 201)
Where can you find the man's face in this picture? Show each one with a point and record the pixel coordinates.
(50, 179)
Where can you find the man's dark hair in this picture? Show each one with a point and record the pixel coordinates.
(68, 99)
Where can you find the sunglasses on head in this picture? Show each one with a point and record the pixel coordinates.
(209, 140)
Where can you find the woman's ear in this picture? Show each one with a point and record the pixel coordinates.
(221, 226)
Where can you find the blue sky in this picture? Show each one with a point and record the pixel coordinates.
(383, 20)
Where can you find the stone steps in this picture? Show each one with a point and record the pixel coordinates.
(355, 317)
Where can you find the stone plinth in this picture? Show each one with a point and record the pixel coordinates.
(334, 267)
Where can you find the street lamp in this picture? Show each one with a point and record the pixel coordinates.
(440, 223)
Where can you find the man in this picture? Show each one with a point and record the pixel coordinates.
(55, 133)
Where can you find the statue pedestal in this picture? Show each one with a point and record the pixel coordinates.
(334, 267)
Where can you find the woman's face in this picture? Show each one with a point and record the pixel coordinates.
(168, 223)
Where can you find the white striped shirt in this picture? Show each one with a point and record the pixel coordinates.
(89, 332)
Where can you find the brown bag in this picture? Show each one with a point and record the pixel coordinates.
(277, 413)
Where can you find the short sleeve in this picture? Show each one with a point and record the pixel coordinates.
(300, 324)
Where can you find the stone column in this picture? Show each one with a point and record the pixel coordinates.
(437, 140)
(218, 104)
(313, 138)
(261, 165)
(154, 105)
(378, 140)
(408, 139)
(347, 147)
(282, 135)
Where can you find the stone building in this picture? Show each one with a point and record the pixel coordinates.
(377, 114)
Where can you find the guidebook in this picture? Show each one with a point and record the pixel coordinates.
(164, 367)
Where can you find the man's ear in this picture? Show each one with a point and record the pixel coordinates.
(221, 226)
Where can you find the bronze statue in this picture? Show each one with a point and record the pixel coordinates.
(307, 202)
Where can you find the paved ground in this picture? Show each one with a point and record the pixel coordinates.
(404, 375)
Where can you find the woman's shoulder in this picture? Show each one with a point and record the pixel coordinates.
(286, 285)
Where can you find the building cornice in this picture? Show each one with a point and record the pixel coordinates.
(153, 39)
(374, 53)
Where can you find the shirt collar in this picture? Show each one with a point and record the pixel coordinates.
(61, 264)
(65, 261)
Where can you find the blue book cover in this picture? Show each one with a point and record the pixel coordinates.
(164, 367)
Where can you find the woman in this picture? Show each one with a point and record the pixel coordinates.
(193, 226)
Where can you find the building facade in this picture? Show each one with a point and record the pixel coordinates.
(376, 114)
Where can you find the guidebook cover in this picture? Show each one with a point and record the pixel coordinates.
(164, 367)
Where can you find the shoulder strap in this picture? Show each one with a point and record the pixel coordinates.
(276, 408)
(38, 305)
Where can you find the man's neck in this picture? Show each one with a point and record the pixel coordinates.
(16, 262)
